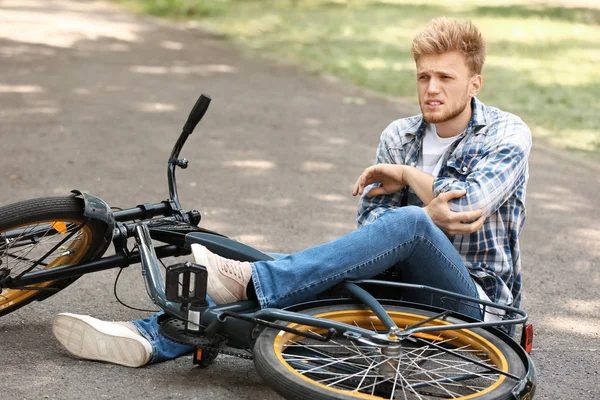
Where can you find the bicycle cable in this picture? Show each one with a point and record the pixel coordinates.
(122, 303)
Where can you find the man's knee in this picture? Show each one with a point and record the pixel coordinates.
(412, 213)
(412, 217)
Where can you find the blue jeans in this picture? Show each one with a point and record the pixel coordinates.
(403, 240)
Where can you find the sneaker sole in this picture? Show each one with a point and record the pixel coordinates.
(84, 340)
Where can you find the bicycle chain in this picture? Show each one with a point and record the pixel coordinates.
(230, 351)
(174, 329)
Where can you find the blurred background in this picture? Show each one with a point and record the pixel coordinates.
(542, 55)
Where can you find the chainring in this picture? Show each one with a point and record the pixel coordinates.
(174, 329)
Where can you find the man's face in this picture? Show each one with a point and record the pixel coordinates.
(445, 86)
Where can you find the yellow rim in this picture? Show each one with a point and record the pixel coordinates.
(367, 319)
(12, 297)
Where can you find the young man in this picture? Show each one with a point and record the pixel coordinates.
(443, 206)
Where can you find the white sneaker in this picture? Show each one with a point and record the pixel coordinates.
(93, 339)
(227, 279)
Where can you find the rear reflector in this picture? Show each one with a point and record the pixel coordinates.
(527, 338)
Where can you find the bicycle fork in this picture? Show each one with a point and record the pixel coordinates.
(184, 295)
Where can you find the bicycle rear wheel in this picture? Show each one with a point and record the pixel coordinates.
(41, 234)
(464, 364)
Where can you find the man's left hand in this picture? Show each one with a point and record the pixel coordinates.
(450, 222)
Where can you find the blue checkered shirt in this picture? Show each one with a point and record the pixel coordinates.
(489, 160)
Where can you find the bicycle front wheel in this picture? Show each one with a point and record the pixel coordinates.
(41, 234)
(461, 363)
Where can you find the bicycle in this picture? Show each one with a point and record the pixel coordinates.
(354, 346)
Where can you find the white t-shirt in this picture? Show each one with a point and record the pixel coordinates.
(430, 161)
(433, 150)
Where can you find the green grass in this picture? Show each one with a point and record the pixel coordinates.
(543, 60)
(179, 8)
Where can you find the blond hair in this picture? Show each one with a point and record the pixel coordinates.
(448, 34)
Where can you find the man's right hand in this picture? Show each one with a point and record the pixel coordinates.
(450, 222)
(388, 175)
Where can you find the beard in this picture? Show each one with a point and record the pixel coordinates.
(447, 114)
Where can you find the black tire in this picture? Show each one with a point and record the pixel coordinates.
(42, 219)
(294, 369)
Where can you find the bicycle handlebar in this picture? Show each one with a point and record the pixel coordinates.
(196, 114)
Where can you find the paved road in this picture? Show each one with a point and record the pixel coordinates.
(93, 98)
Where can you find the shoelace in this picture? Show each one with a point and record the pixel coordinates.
(232, 267)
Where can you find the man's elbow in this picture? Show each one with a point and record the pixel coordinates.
(473, 200)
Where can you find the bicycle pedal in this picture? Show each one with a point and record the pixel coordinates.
(204, 357)
(186, 284)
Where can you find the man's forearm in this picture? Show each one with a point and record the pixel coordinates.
(420, 182)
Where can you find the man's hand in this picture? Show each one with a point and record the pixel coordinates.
(450, 222)
(389, 175)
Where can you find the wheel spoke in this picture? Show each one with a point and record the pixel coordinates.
(436, 378)
(25, 259)
(35, 244)
(358, 373)
(10, 242)
(56, 246)
(432, 381)
(19, 258)
(366, 374)
(487, 366)
(328, 366)
(404, 387)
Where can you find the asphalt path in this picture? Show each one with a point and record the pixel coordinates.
(93, 98)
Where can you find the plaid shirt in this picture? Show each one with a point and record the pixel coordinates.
(489, 160)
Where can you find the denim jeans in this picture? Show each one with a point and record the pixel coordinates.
(404, 240)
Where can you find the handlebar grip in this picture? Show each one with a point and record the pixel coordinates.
(197, 113)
